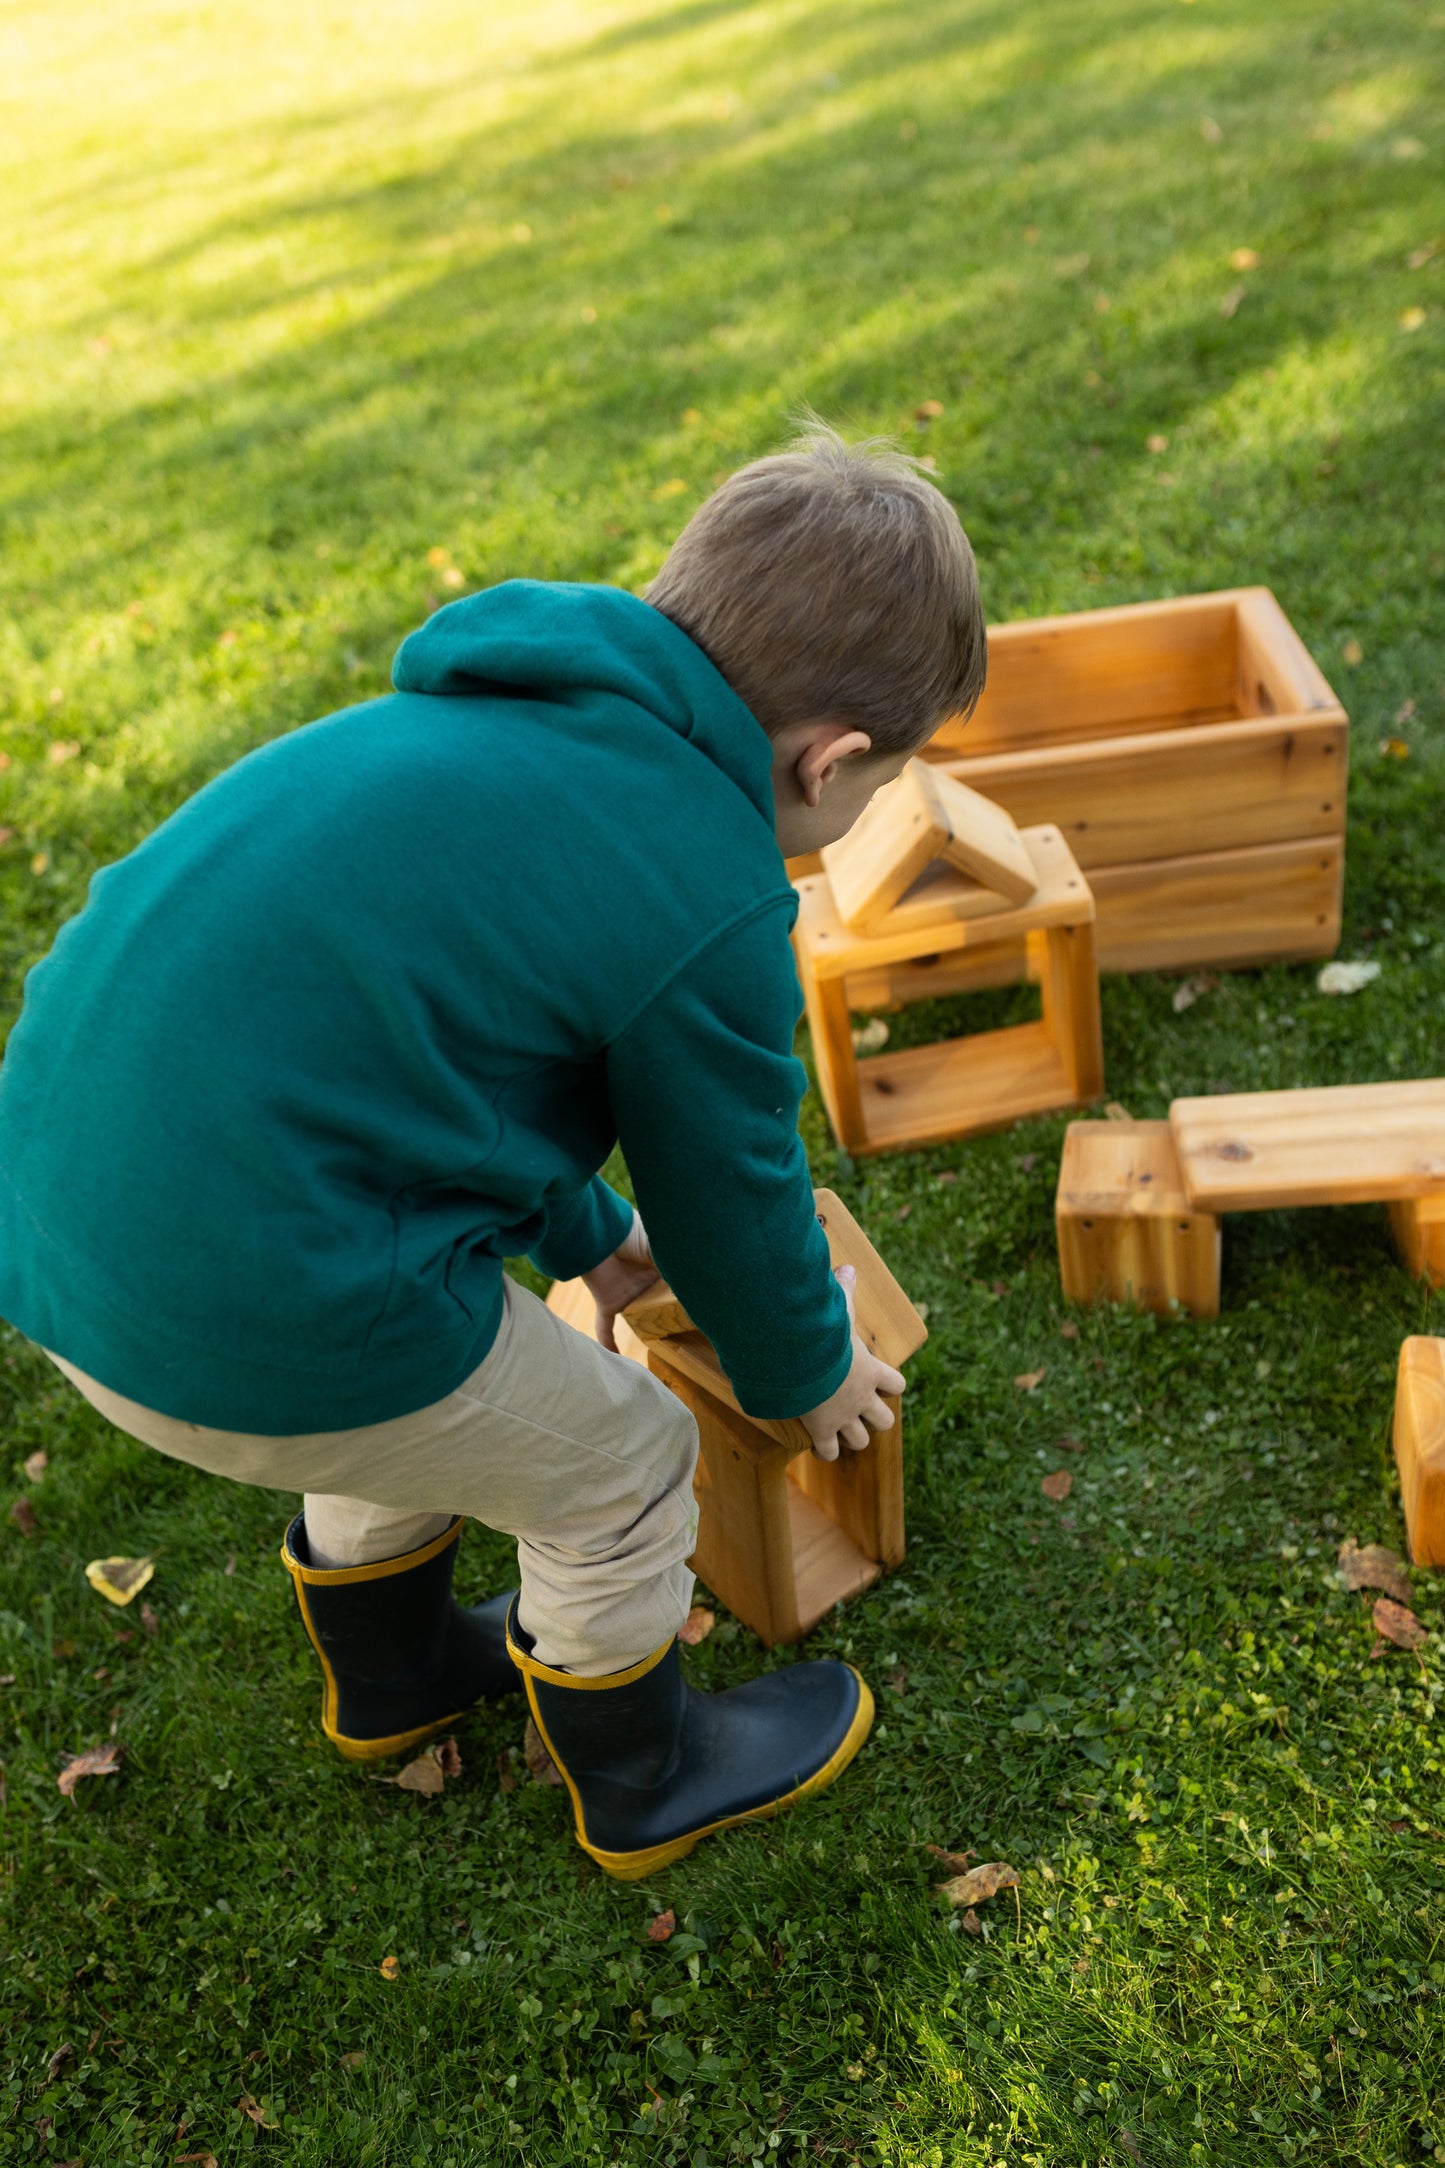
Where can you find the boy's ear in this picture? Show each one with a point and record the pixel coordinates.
(817, 763)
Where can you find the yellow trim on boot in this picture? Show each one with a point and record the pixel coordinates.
(381, 1569)
(632, 1866)
(530, 1668)
(301, 1577)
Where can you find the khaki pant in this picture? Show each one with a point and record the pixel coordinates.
(579, 1454)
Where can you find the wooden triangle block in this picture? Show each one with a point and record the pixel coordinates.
(922, 817)
(886, 1320)
(899, 832)
(983, 840)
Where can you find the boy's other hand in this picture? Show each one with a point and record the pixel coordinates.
(620, 1279)
(858, 1406)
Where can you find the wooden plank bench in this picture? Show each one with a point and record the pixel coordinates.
(782, 1536)
(1139, 1203)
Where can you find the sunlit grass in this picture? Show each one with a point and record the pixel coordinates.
(305, 308)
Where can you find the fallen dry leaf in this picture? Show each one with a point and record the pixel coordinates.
(389, 1967)
(1114, 1112)
(119, 1580)
(539, 1761)
(251, 2107)
(1029, 1381)
(869, 1037)
(438, 557)
(675, 486)
(1411, 319)
(1397, 1624)
(230, 1566)
(149, 1620)
(353, 2058)
(971, 1923)
(57, 2061)
(928, 410)
(980, 1883)
(698, 1624)
(1244, 259)
(201, 2160)
(1156, 442)
(506, 1782)
(897, 1680)
(1068, 1330)
(36, 1464)
(1394, 749)
(423, 1775)
(1346, 978)
(40, 863)
(1188, 991)
(1352, 653)
(23, 1515)
(903, 1212)
(1229, 303)
(955, 1862)
(96, 1761)
(1069, 1445)
(1370, 1565)
(1210, 129)
(7, 1678)
(1405, 712)
(660, 1928)
(1419, 257)
(1057, 1486)
(449, 1754)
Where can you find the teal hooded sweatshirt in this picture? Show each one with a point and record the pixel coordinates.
(368, 1013)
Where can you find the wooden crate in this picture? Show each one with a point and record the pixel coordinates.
(782, 1536)
(1195, 760)
(1127, 1231)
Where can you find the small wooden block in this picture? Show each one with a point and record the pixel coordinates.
(1418, 1224)
(1338, 1144)
(1127, 1232)
(571, 1300)
(900, 831)
(1420, 1446)
(983, 840)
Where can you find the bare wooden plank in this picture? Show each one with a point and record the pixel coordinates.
(1331, 1144)
(1420, 1446)
(983, 838)
(657, 1314)
(1278, 902)
(1176, 793)
(961, 1087)
(1277, 673)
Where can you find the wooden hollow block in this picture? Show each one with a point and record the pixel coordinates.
(883, 1317)
(983, 840)
(1418, 1225)
(1336, 1144)
(782, 1536)
(925, 1094)
(901, 830)
(781, 1540)
(1127, 1232)
(1420, 1446)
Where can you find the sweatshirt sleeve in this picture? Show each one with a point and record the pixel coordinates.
(705, 1090)
(581, 1230)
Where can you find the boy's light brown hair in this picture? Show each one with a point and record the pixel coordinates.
(833, 579)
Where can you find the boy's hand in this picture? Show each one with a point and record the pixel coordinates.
(620, 1279)
(858, 1406)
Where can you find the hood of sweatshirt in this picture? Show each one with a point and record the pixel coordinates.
(566, 642)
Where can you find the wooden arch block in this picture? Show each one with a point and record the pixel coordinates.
(922, 818)
(1420, 1446)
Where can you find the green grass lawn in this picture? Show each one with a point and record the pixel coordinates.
(317, 316)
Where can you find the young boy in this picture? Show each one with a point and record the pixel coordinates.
(365, 1017)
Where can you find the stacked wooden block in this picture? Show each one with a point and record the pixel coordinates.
(782, 1536)
(934, 869)
(1139, 1207)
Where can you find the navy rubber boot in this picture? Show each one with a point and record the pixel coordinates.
(652, 1764)
(399, 1655)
